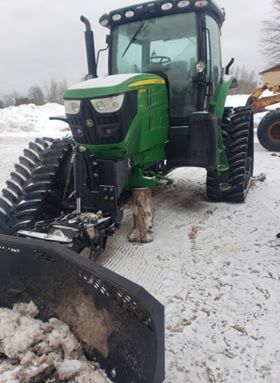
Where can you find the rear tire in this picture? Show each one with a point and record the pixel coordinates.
(269, 131)
(238, 135)
(36, 188)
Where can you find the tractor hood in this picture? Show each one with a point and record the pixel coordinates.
(111, 85)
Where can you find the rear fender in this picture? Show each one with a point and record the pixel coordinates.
(217, 107)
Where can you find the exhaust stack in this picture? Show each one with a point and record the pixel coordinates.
(90, 48)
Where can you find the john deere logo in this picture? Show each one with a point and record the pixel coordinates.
(90, 123)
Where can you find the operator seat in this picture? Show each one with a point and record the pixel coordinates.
(179, 80)
(181, 94)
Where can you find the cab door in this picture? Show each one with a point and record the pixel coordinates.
(214, 60)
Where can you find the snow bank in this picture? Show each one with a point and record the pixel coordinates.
(238, 100)
(31, 119)
(34, 351)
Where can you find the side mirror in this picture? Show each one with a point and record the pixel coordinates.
(99, 53)
(108, 39)
(234, 84)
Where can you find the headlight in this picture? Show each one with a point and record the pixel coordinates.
(72, 106)
(108, 105)
(200, 66)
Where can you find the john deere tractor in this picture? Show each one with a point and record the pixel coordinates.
(161, 107)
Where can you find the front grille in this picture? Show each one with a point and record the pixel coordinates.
(106, 119)
(92, 128)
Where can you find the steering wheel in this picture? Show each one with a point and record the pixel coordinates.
(159, 59)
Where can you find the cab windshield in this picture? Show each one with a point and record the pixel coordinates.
(165, 45)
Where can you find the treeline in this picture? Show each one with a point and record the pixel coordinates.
(247, 82)
(53, 91)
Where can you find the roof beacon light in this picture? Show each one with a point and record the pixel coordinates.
(167, 6)
(117, 17)
(104, 22)
(183, 3)
(201, 3)
(129, 14)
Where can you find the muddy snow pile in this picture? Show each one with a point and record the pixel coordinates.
(32, 351)
(30, 119)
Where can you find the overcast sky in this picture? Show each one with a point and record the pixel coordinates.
(43, 39)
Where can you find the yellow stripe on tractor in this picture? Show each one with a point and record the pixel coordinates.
(156, 81)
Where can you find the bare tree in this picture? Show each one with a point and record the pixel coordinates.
(22, 100)
(55, 91)
(63, 85)
(52, 91)
(14, 99)
(2, 105)
(246, 80)
(11, 99)
(270, 42)
(36, 94)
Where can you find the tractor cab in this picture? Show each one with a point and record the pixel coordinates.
(178, 40)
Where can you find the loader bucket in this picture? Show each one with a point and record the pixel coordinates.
(118, 323)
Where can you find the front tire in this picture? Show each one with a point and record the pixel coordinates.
(36, 189)
(238, 135)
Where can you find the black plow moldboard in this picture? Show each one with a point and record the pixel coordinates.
(119, 323)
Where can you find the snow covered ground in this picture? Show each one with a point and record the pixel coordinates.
(215, 267)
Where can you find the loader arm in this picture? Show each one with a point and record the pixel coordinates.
(259, 104)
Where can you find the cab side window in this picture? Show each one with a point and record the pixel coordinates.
(214, 64)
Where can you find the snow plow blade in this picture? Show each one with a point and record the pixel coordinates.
(119, 324)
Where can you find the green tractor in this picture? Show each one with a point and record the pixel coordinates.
(161, 107)
(163, 104)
